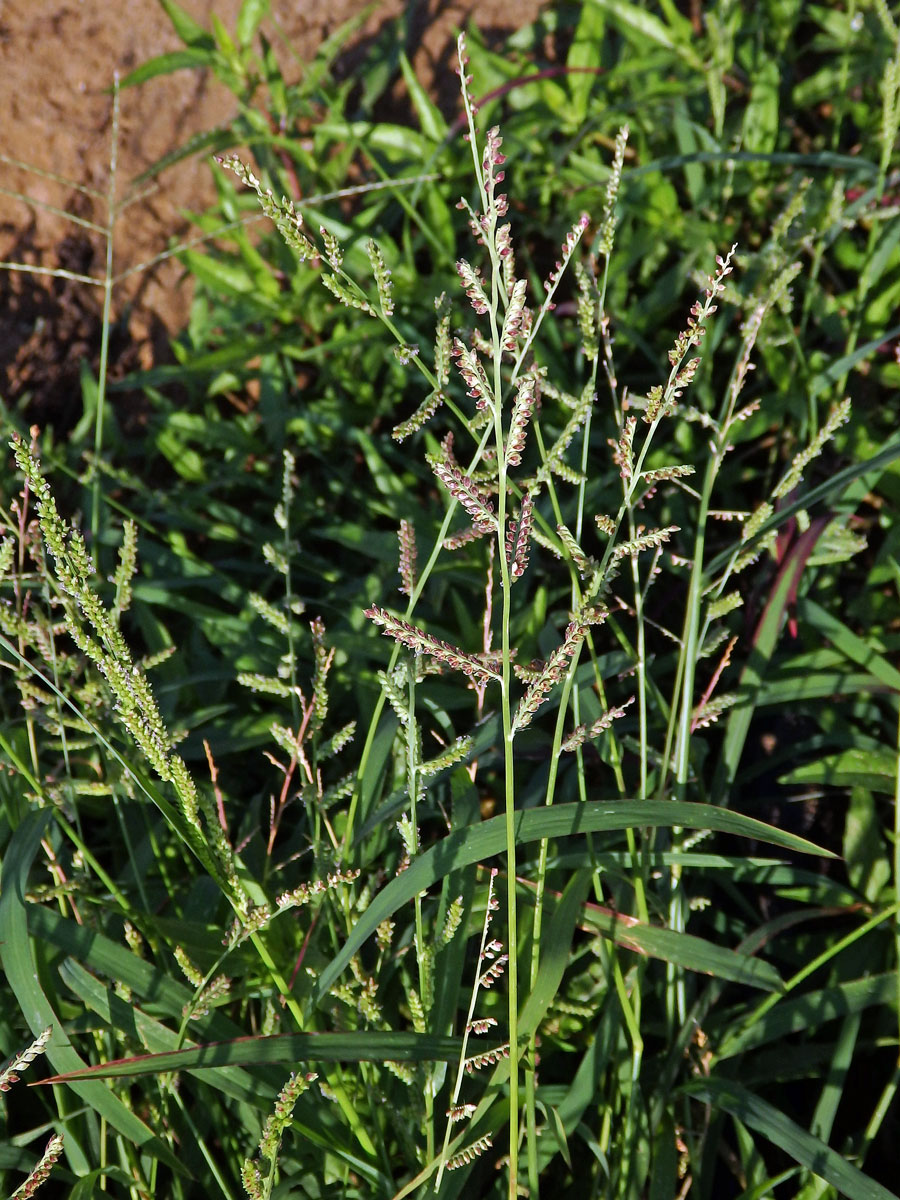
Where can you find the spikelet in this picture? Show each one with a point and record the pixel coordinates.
(333, 251)
(587, 312)
(724, 605)
(523, 408)
(583, 563)
(573, 237)
(662, 473)
(513, 318)
(452, 922)
(423, 413)
(457, 751)
(474, 377)
(342, 292)
(38, 1176)
(707, 714)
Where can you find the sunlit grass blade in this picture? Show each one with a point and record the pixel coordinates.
(563, 820)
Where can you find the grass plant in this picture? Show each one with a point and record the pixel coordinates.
(585, 883)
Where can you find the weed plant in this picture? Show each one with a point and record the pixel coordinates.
(478, 939)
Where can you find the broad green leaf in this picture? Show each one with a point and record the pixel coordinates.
(859, 650)
(641, 26)
(584, 58)
(790, 1138)
(562, 820)
(850, 768)
(252, 13)
(430, 118)
(809, 1012)
(760, 125)
(865, 847)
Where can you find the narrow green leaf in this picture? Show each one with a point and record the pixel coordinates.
(469, 846)
(185, 26)
(21, 973)
(683, 949)
(165, 64)
(366, 1046)
(131, 1021)
(841, 366)
(851, 768)
(790, 1138)
(559, 1133)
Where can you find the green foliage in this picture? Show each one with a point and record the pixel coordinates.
(551, 884)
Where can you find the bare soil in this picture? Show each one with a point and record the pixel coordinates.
(57, 63)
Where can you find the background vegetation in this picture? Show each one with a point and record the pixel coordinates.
(241, 829)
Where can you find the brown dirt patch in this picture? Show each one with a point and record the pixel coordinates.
(57, 62)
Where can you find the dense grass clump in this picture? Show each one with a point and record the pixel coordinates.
(584, 881)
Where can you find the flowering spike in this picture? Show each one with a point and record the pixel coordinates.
(423, 413)
(608, 221)
(285, 217)
(523, 408)
(421, 642)
(586, 733)
(474, 377)
(470, 278)
(518, 537)
(622, 452)
(407, 568)
(333, 251)
(382, 274)
(838, 415)
(463, 488)
(552, 673)
(513, 318)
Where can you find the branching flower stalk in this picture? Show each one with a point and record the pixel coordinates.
(493, 207)
(455, 1111)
